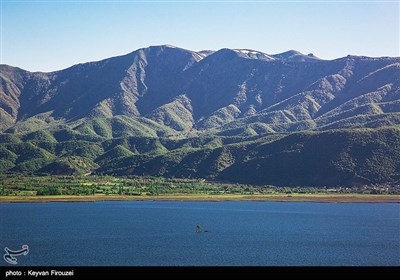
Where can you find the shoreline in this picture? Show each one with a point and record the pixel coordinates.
(326, 198)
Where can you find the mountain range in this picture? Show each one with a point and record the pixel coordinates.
(234, 114)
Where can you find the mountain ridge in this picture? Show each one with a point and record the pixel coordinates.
(168, 111)
(138, 83)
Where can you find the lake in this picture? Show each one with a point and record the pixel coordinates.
(163, 233)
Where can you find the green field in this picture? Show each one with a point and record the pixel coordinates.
(15, 188)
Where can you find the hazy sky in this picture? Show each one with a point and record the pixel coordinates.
(52, 35)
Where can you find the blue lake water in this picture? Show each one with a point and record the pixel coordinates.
(239, 233)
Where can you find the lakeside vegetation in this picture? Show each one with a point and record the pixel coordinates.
(93, 188)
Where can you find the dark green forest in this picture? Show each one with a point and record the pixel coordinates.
(333, 158)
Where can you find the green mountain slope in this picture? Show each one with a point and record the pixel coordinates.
(232, 115)
(343, 157)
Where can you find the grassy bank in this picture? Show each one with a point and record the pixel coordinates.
(106, 188)
(201, 197)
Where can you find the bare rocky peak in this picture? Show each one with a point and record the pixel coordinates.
(222, 89)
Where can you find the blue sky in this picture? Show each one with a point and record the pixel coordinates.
(52, 35)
